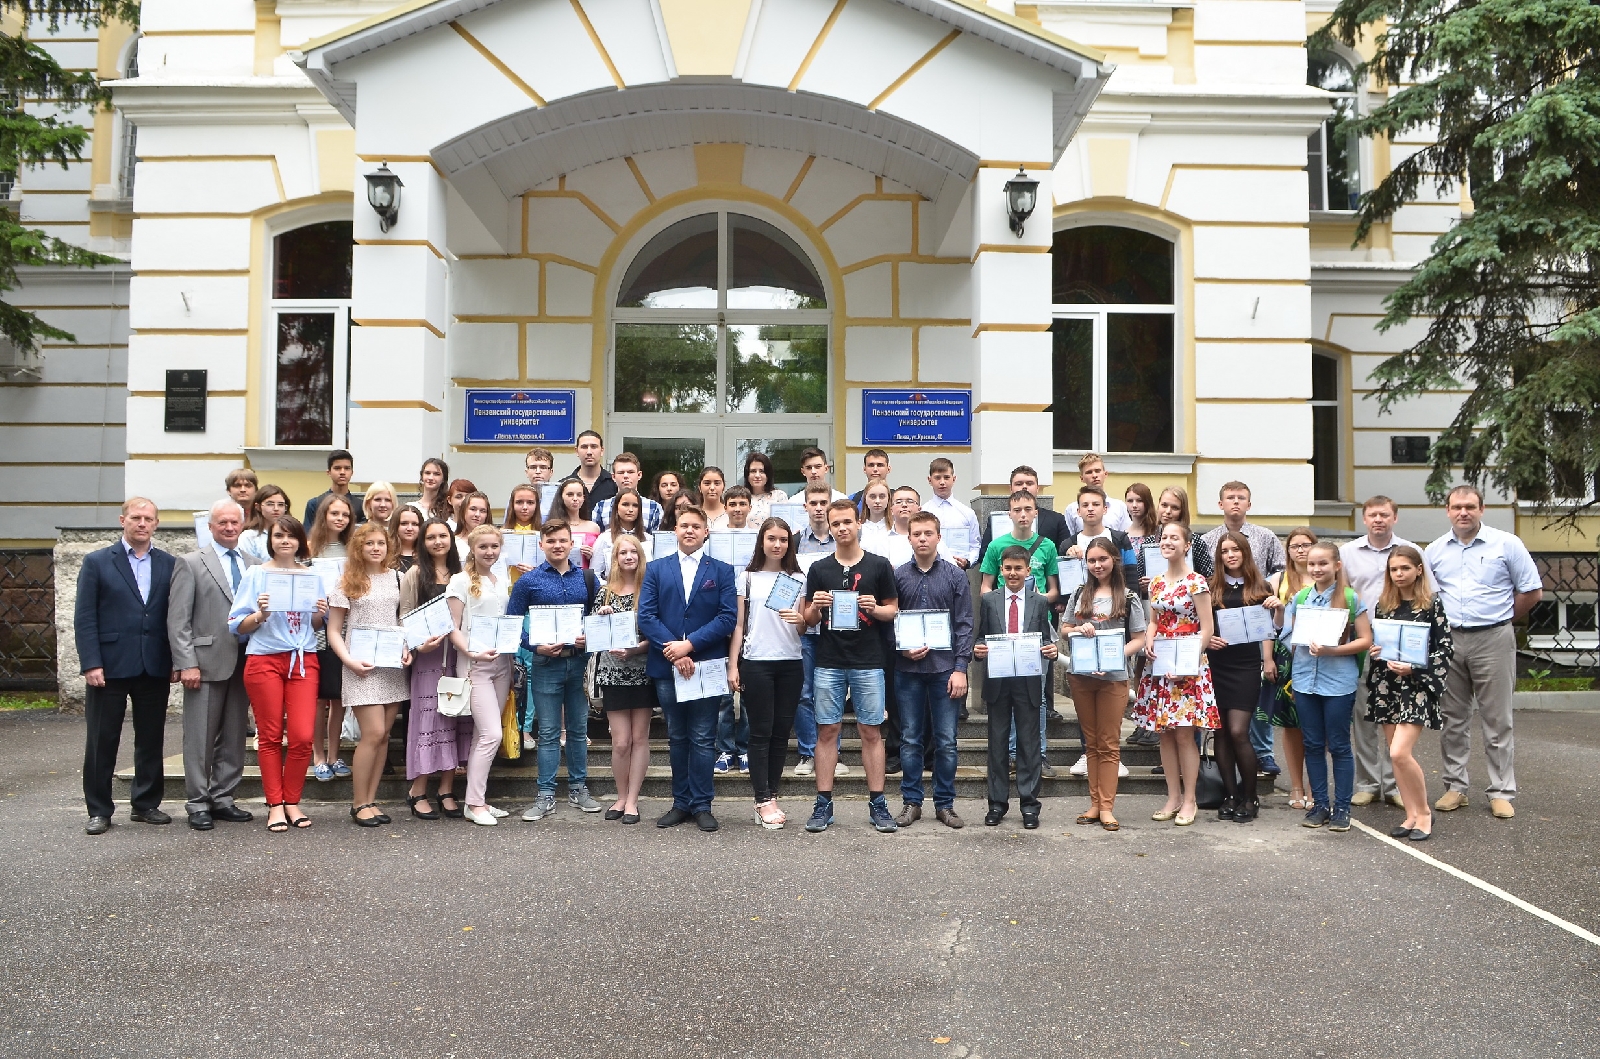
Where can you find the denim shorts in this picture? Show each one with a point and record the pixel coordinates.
(866, 694)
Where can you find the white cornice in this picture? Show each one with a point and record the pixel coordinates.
(1360, 277)
(233, 101)
(1221, 108)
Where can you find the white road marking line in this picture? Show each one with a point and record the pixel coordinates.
(1489, 888)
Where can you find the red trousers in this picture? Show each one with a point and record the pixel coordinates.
(277, 694)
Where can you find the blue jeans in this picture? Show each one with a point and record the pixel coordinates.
(1325, 724)
(805, 715)
(691, 745)
(1261, 730)
(555, 686)
(927, 713)
(733, 738)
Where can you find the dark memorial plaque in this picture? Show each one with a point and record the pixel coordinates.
(186, 402)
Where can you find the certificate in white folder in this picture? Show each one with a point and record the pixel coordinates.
(292, 592)
(1323, 626)
(709, 680)
(1177, 656)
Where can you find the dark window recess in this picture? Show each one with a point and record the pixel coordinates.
(305, 378)
(1324, 378)
(1325, 451)
(768, 264)
(1105, 265)
(313, 262)
(1138, 382)
(1072, 411)
(680, 261)
(1408, 448)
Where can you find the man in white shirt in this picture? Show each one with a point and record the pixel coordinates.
(1487, 580)
(955, 518)
(1092, 471)
(1365, 561)
(814, 466)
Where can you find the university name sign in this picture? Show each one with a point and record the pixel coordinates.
(520, 417)
(916, 417)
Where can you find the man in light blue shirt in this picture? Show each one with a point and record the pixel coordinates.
(1487, 580)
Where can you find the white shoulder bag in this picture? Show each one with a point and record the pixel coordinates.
(455, 694)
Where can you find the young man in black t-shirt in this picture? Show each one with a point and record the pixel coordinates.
(850, 658)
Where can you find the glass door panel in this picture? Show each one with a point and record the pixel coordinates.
(686, 455)
(1072, 408)
(777, 368)
(784, 451)
(305, 377)
(666, 368)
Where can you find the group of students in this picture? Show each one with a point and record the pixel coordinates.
(845, 602)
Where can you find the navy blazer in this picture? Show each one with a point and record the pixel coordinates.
(706, 620)
(115, 629)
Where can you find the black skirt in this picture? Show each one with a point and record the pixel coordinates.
(330, 675)
(628, 697)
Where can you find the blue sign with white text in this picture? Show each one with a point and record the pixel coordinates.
(521, 417)
(916, 417)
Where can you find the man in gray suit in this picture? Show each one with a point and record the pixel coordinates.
(210, 664)
(1014, 607)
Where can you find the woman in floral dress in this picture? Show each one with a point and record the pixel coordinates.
(1180, 604)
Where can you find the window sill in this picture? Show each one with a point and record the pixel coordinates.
(1176, 463)
(289, 457)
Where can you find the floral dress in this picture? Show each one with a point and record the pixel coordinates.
(1168, 702)
(1414, 698)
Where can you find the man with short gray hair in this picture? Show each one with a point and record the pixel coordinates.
(210, 664)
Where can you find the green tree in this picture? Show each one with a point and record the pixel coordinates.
(28, 75)
(1511, 293)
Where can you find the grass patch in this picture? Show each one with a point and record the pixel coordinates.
(27, 700)
(1555, 684)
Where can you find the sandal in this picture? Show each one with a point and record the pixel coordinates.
(277, 827)
(302, 821)
(1299, 800)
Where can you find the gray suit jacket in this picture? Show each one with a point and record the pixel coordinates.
(992, 622)
(197, 614)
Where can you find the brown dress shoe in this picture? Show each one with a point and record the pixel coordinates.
(1501, 808)
(909, 814)
(1450, 801)
(948, 818)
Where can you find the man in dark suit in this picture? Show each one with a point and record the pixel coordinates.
(210, 663)
(120, 624)
(1014, 607)
(687, 610)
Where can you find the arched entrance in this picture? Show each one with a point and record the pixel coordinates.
(720, 346)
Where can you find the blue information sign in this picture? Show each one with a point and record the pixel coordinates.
(521, 417)
(916, 417)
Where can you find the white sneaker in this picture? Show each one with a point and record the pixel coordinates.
(1080, 767)
(480, 816)
(1122, 771)
(496, 813)
(807, 767)
(841, 769)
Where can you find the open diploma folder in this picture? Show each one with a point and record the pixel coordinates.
(502, 635)
(734, 547)
(610, 632)
(383, 648)
(786, 593)
(915, 629)
(520, 549)
(793, 516)
(1100, 653)
(1245, 624)
(957, 540)
(427, 621)
(1014, 655)
(1073, 575)
(1319, 625)
(708, 681)
(1402, 641)
(553, 625)
(1178, 656)
(293, 592)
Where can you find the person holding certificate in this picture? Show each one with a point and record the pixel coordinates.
(435, 744)
(368, 597)
(627, 519)
(1013, 623)
(764, 661)
(329, 538)
(627, 694)
(280, 665)
(1326, 624)
(1175, 693)
(1404, 696)
(477, 596)
(1104, 613)
(761, 480)
(1239, 660)
(931, 668)
(557, 663)
(687, 611)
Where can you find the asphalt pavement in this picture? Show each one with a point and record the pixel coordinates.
(574, 937)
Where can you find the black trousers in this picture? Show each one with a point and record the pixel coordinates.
(770, 698)
(1015, 698)
(103, 712)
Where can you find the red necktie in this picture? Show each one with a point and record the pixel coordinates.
(1013, 627)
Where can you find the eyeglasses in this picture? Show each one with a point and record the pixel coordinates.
(1298, 547)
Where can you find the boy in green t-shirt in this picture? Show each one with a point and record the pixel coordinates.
(1041, 551)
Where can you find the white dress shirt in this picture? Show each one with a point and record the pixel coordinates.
(227, 569)
(689, 564)
(954, 513)
(1022, 610)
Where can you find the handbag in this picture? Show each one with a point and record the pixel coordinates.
(454, 696)
(1208, 789)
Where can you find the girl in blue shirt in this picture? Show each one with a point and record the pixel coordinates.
(1325, 677)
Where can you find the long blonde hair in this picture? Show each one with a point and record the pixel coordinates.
(616, 574)
(1340, 585)
(1421, 591)
(474, 577)
(355, 583)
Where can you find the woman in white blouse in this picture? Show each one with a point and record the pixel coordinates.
(473, 595)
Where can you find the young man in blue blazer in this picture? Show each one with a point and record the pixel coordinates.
(687, 610)
(120, 625)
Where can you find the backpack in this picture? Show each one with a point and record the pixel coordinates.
(1350, 601)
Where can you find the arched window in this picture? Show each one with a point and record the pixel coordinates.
(720, 347)
(310, 325)
(1114, 340)
(1333, 156)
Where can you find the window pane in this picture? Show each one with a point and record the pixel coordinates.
(1316, 175)
(778, 368)
(1325, 451)
(1324, 378)
(1344, 187)
(785, 454)
(1110, 266)
(305, 379)
(684, 455)
(768, 270)
(1138, 383)
(313, 262)
(1072, 372)
(675, 270)
(666, 368)
(1328, 72)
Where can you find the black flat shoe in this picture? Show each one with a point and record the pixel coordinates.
(98, 825)
(149, 816)
(1420, 836)
(413, 799)
(1400, 832)
(200, 820)
(613, 814)
(672, 817)
(1225, 811)
(1030, 821)
(993, 817)
(382, 817)
(1245, 812)
(630, 818)
(705, 821)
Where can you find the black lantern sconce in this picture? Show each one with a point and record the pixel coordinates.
(383, 194)
(1022, 194)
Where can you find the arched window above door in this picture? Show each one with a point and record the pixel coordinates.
(685, 267)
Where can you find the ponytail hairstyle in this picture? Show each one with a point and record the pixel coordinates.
(474, 577)
(1256, 588)
(1421, 591)
(356, 583)
(1114, 581)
